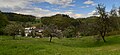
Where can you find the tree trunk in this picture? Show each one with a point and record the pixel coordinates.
(104, 33)
(50, 38)
(13, 37)
(103, 37)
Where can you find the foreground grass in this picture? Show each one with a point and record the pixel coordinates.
(66, 46)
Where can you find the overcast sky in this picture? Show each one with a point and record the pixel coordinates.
(40, 8)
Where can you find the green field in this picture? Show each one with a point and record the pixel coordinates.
(66, 46)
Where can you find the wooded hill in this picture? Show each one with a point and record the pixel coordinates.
(19, 17)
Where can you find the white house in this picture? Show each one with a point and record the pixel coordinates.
(29, 30)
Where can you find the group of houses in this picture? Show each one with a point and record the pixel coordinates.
(37, 31)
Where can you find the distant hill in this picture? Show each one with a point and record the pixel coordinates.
(19, 17)
(61, 20)
(88, 19)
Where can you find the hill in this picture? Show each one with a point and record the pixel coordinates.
(62, 21)
(19, 17)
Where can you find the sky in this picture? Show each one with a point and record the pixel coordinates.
(40, 8)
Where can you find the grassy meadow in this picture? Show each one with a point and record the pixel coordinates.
(65, 46)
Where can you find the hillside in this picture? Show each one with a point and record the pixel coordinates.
(66, 46)
(19, 17)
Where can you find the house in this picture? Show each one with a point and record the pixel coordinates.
(38, 31)
(28, 30)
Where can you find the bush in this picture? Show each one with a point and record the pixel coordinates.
(113, 33)
(69, 32)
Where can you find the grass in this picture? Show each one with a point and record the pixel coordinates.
(66, 46)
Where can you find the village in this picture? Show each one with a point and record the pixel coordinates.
(38, 32)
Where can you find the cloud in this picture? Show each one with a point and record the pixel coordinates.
(63, 3)
(21, 3)
(41, 12)
(36, 12)
(71, 14)
(84, 6)
(60, 2)
(93, 13)
(25, 7)
(89, 2)
(94, 4)
(13, 3)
